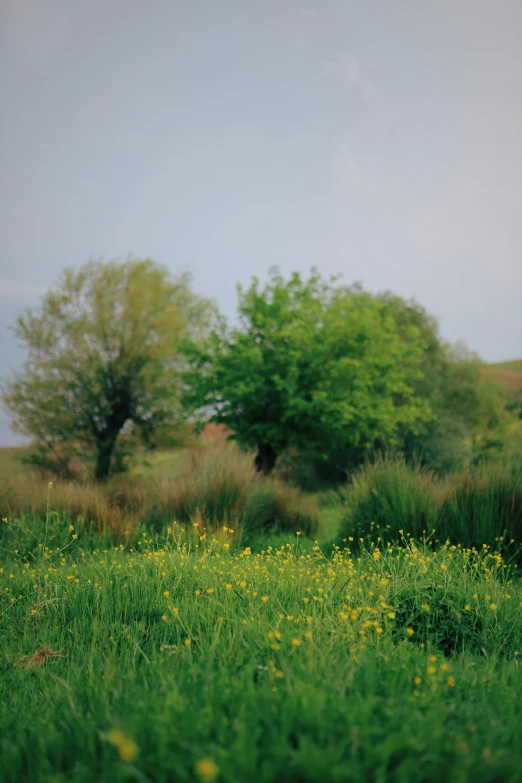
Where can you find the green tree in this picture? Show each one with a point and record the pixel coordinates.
(105, 354)
(311, 365)
(469, 416)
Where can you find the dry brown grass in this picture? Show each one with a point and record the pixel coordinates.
(216, 485)
(217, 434)
(39, 657)
(97, 505)
(510, 379)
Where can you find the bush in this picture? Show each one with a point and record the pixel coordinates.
(480, 506)
(315, 473)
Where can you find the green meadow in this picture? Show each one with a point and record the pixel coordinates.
(239, 646)
(285, 549)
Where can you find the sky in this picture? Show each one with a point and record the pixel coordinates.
(380, 140)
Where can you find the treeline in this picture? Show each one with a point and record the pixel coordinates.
(314, 375)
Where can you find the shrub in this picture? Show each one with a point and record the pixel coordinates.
(317, 473)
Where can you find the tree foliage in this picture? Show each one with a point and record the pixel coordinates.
(470, 414)
(311, 365)
(105, 355)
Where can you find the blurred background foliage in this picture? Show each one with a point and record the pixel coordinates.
(127, 367)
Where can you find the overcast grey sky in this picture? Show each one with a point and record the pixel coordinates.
(381, 140)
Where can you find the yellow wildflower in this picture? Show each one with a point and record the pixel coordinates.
(127, 749)
(206, 770)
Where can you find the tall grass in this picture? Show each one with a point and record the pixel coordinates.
(388, 498)
(484, 504)
(215, 485)
(95, 504)
(183, 665)
(221, 487)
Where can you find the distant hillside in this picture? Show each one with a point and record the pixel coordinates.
(508, 374)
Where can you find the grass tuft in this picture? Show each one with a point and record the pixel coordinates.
(391, 499)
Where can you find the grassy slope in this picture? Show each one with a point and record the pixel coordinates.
(507, 374)
(161, 463)
(170, 658)
(513, 364)
(10, 460)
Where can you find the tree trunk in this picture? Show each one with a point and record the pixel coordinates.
(265, 459)
(104, 451)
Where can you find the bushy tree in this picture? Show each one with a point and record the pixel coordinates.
(469, 409)
(105, 356)
(311, 365)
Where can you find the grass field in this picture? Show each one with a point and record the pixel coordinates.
(133, 648)
(188, 662)
(513, 364)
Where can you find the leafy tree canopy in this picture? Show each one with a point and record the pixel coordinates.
(470, 415)
(105, 352)
(313, 365)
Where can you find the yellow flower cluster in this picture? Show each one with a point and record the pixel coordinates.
(294, 599)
